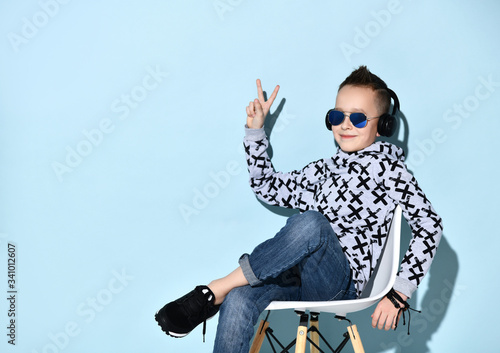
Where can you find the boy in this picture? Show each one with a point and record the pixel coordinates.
(329, 250)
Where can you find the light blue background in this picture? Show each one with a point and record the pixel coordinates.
(125, 228)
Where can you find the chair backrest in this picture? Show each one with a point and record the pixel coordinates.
(385, 272)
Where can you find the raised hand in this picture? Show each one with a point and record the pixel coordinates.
(257, 109)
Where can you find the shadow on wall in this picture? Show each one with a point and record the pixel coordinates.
(434, 304)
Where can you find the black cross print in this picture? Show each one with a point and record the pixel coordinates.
(372, 214)
(416, 276)
(324, 197)
(422, 195)
(302, 184)
(404, 192)
(398, 180)
(361, 246)
(415, 214)
(437, 222)
(322, 209)
(364, 169)
(394, 165)
(429, 248)
(355, 211)
(345, 183)
(431, 236)
(327, 215)
(359, 266)
(429, 211)
(379, 236)
(272, 185)
(287, 185)
(300, 202)
(363, 182)
(286, 203)
(335, 211)
(407, 258)
(352, 168)
(260, 144)
(368, 257)
(379, 198)
(272, 198)
(257, 159)
(386, 160)
(418, 231)
(335, 181)
(261, 166)
(370, 224)
(319, 170)
(419, 264)
(355, 198)
(343, 228)
(407, 204)
(340, 194)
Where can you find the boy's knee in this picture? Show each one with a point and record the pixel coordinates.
(310, 228)
(235, 295)
(236, 300)
(314, 217)
(310, 223)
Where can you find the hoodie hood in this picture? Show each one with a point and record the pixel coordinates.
(391, 151)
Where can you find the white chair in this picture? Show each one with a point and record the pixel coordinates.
(377, 287)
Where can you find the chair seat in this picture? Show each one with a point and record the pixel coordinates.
(338, 307)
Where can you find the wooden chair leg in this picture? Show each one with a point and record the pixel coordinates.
(314, 334)
(259, 337)
(300, 343)
(355, 339)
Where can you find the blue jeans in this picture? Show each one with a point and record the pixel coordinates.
(304, 261)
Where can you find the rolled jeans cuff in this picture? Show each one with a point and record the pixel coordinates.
(247, 270)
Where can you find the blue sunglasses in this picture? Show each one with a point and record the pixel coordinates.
(336, 117)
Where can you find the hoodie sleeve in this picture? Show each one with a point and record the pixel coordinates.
(274, 188)
(426, 225)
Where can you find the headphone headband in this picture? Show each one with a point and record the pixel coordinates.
(396, 101)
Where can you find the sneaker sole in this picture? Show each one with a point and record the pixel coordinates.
(171, 333)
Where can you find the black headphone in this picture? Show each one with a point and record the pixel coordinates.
(386, 122)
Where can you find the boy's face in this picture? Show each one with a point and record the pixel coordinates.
(351, 99)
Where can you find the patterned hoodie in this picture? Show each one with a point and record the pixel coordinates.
(357, 192)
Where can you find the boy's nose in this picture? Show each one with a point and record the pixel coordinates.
(346, 123)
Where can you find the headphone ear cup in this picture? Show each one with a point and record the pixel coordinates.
(386, 125)
(327, 122)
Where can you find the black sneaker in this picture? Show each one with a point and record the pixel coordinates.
(180, 317)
